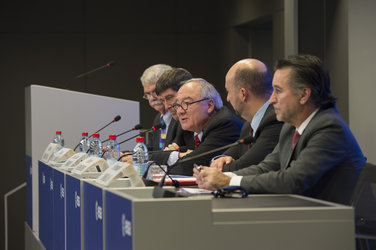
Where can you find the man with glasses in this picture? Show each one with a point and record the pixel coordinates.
(317, 155)
(200, 110)
(166, 89)
(149, 79)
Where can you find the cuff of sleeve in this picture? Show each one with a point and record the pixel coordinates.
(236, 180)
(174, 157)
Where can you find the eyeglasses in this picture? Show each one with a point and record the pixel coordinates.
(184, 105)
(146, 96)
(168, 99)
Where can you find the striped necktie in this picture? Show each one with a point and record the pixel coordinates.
(162, 132)
(251, 134)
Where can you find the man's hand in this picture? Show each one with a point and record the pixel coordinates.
(219, 162)
(185, 153)
(172, 146)
(210, 178)
(127, 159)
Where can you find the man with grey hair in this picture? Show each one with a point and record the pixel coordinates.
(149, 79)
(200, 109)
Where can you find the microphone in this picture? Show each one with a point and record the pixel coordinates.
(159, 192)
(156, 127)
(180, 149)
(107, 65)
(117, 118)
(137, 127)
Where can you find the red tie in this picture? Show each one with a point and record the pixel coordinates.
(251, 134)
(197, 141)
(295, 139)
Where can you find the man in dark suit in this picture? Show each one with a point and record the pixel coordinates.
(166, 89)
(149, 79)
(200, 110)
(249, 85)
(317, 155)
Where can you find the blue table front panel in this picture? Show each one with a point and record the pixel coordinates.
(73, 212)
(118, 223)
(93, 217)
(45, 205)
(59, 210)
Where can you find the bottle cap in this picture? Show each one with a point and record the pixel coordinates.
(58, 132)
(96, 135)
(140, 139)
(85, 133)
(112, 137)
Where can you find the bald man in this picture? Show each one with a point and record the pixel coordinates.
(249, 86)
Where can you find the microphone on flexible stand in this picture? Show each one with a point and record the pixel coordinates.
(156, 127)
(117, 118)
(107, 65)
(159, 192)
(137, 127)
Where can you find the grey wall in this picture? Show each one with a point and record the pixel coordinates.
(362, 66)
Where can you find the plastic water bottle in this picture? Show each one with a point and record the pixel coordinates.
(85, 142)
(58, 139)
(140, 156)
(96, 146)
(112, 150)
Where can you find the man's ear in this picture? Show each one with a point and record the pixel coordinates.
(244, 94)
(305, 95)
(211, 106)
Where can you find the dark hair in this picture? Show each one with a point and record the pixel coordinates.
(309, 72)
(173, 79)
(258, 82)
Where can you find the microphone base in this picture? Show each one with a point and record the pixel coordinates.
(160, 192)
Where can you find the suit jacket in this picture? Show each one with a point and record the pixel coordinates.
(222, 128)
(182, 138)
(266, 136)
(153, 143)
(325, 163)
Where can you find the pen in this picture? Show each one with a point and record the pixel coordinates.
(197, 167)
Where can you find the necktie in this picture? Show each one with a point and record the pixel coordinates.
(162, 138)
(251, 134)
(295, 139)
(197, 141)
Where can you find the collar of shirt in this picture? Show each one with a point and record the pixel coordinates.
(255, 123)
(199, 135)
(304, 124)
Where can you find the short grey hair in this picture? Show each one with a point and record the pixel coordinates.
(152, 74)
(207, 90)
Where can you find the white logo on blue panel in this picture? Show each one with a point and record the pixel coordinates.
(61, 191)
(43, 178)
(126, 226)
(51, 184)
(77, 200)
(98, 211)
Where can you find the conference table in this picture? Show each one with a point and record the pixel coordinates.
(77, 213)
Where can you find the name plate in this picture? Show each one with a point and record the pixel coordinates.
(90, 164)
(61, 156)
(48, 152)
(117, 170)
(73, 161)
